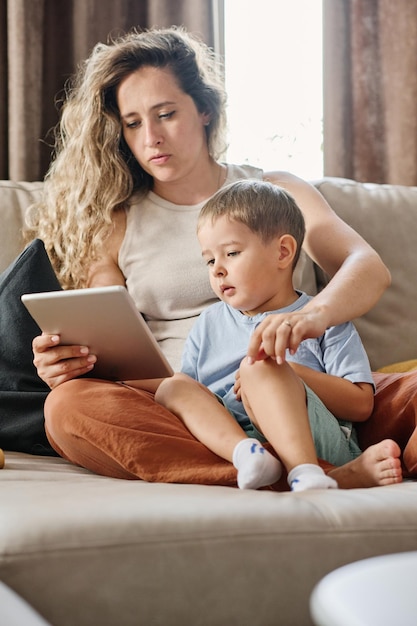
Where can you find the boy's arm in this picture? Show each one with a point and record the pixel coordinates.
(346, 400)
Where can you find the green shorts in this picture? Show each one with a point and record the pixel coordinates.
(335, 440)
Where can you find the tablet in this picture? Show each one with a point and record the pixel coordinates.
(107, 321)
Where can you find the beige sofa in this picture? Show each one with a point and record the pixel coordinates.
(86, 550)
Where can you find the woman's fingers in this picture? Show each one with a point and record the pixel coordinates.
(56, 364)
(279, 332)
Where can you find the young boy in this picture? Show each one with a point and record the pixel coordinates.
(251, 234)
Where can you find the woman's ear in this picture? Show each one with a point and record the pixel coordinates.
(206, 117)
(287, 249)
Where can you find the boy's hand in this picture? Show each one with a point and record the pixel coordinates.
(237, 385)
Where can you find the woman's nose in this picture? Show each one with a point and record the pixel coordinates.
(152, 135)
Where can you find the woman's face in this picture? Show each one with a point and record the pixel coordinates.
(161, 124)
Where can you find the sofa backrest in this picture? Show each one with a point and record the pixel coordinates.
(385, 215)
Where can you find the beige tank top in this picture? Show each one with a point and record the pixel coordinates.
(161, 260)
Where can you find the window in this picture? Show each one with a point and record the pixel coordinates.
(273, 71)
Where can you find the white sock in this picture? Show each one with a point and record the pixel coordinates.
(309, 476)
(256, 467)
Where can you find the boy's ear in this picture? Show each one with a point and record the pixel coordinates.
(287, 249)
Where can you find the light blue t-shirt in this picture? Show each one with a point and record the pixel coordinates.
(219, 340)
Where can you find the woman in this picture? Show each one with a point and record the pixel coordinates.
(136, 158)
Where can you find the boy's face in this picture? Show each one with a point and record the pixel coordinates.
(244, 271)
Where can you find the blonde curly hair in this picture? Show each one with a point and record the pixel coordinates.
(93, 173)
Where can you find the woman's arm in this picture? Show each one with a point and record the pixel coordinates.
(358, 275)
(106, 270)
(346, 400)
(57, 364)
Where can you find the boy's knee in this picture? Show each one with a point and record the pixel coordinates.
(253, 369)
(170, 386)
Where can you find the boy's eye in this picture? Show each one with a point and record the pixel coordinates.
(233, 253)
(210, 262)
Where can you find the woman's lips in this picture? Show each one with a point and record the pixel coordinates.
(160, 159)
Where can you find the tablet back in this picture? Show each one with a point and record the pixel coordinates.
(106, 320)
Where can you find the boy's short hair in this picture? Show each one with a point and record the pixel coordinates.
(266, 209)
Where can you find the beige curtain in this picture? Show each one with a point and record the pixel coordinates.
(41, 43)
(370, 90)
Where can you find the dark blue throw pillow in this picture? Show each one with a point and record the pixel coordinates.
(22, 392)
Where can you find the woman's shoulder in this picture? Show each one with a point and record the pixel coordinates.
(304, 192)
(237, 172)
(284, 179)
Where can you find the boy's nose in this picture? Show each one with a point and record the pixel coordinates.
(218, 270)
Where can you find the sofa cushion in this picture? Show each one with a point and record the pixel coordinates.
(386, 217)
(15, 198)
(89, 550)
(22, 392)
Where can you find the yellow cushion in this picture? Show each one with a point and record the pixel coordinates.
(402, 366)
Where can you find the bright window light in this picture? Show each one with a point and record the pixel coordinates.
(273, 67)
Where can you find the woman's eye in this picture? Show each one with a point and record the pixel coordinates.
(132, 124)
(166, 116)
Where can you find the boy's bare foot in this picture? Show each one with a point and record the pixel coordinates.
(378, 465)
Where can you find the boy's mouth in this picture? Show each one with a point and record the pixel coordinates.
(226, 289)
